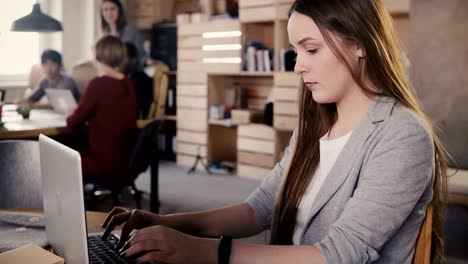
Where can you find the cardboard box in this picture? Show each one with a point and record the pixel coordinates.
(30, 254)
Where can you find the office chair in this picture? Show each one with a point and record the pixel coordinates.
(20, 174)
(161, 82)
(82, 73)
(145, 153)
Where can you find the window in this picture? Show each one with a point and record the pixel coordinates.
(18, 50)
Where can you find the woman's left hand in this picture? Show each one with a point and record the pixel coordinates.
(166, 245)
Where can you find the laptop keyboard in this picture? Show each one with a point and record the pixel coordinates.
(103, 252)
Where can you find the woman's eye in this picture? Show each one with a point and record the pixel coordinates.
(312, 51)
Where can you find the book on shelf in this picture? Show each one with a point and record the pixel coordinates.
(257, 58)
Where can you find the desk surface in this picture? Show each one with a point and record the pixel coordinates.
(43, 121)
(93, 219)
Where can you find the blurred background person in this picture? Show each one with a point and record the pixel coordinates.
(142, 82)
(54, 77)
(114, 23)
(109, 106)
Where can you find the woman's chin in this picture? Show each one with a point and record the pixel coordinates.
(320, 98)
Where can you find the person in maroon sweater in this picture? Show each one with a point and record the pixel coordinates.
(109, 106)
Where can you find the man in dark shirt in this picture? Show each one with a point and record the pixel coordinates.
(51, 61)
(142, 82)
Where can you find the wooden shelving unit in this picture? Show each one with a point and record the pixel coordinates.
(206, 72)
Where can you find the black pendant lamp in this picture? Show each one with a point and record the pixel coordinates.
(36, 22)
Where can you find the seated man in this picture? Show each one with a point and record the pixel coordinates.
(142, 82)
(51, 61)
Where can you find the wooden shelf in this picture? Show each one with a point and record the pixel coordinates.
(223, 123)
(246, 73)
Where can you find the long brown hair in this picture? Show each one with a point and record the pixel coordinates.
(368, 24)
(121, 20)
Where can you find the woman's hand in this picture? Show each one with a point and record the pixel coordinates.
(134, 219)
(166, 245)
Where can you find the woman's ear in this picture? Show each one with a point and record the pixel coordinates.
(359, 51)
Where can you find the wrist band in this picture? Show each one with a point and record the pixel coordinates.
(224, 249)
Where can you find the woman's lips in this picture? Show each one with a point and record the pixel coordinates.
(311, 85)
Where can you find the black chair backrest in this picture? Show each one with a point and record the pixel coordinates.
(146, 148)
(20, 174)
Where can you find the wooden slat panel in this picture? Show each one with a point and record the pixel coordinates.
(223, 25)
(192, 89)
(257, 14)
(192, 137)
(190, 124)
(253, 3)
(256, 131)
(229, 68)
(185, 160)
(222, 41)
(191, 149)
(252, 172)
(190, 42)
(189, 66)
(189, 54)
(286, 123)
(285, 1)
(287, 79)
(213, 26)
(221, 54)
(191, 77)
(192, 102)
(255, 145)
(192, 119)
(285, 108)
(256, 159)
(195, 29)
(285, 94)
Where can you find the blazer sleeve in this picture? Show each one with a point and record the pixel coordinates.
(398, 171)
(86, 107)
(262, 200)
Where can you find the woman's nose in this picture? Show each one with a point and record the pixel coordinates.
(299, 67)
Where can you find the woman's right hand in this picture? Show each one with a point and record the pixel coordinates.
(132, 219)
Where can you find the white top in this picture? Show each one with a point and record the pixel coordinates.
(329, 152)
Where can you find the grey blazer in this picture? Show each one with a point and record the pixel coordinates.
(371, 206)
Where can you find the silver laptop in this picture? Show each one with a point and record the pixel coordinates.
(64, 208)
(62, 100)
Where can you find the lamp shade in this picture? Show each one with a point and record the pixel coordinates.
(36, 22)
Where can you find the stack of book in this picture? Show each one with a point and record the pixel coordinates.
(258, 58)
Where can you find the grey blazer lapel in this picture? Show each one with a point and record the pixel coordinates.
(379, 110)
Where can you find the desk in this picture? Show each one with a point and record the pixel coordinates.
(41, 121)
(93, 219)
(50, 123)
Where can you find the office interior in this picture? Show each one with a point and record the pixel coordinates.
(223, 102)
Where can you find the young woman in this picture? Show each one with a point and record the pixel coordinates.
(114, 23)
(361, 169)
(109, 106)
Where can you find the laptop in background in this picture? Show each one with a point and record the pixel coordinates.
(64, 208)
(62, 100)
